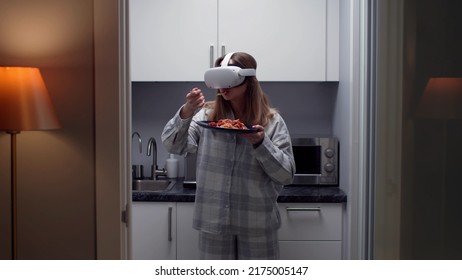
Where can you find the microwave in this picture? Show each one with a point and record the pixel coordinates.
(316, 160)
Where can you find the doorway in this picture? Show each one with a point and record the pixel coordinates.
(417, 151)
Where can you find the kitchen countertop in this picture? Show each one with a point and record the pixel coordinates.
(290, 193)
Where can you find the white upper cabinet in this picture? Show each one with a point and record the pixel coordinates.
(170, 39)
(292, 40)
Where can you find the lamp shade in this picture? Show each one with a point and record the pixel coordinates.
(24, 101)
(442, 99)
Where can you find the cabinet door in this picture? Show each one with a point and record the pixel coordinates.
(187, 237)
(170, 40)
(292, 40)
(153, 231)
(287, 38)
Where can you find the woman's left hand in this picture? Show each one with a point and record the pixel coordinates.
(257, 137)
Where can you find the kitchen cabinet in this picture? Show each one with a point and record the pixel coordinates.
(163, 231)
(311, 231)
(187, 237)
(154, 231)
(292, 40)
(171, 40)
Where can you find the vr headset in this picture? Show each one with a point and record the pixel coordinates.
(226, 76)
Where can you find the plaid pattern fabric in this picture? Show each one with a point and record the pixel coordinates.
(241, 247)
(237, 184)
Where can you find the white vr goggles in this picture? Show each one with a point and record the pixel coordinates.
(226, 76)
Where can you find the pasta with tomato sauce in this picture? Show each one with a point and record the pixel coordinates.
(228, 123)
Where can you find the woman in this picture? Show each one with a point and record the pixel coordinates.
(239, 176)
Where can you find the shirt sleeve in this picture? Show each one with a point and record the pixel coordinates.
(275, 153)
(181, 136)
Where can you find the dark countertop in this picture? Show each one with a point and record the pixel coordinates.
(290, 193)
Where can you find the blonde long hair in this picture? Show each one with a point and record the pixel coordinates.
(258, 107)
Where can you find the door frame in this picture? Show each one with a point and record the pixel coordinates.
(385, 184)
(112, 129)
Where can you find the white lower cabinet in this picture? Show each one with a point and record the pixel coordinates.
(310, 231)
(163, 231)
(187, 237)
(310, 250)
(154, 231)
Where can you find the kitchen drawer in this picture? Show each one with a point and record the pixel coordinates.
(310, 250)
(310, 221)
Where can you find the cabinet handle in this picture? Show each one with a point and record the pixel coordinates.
(305, 209)
(223, 50)
(170, 210)
(211, 56)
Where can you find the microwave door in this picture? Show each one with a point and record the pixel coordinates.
(307, 160)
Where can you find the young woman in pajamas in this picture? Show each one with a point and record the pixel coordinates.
(239, 176)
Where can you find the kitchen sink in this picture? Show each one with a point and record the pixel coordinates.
(152, 185)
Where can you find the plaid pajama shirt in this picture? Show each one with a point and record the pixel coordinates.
(237, 183)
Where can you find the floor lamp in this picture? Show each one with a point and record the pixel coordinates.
(24, 105)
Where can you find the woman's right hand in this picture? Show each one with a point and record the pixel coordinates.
(194, 100)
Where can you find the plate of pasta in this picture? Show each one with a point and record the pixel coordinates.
(227, 125)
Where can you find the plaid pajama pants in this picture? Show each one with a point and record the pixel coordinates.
(231, 247)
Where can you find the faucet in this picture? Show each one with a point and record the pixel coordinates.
(152, 145)
(152, 149)
(139, 140)
(137, 169)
